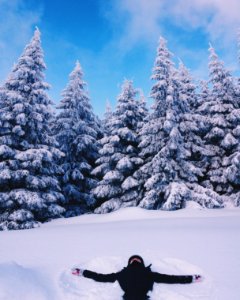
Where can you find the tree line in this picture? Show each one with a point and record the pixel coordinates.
(67, 163)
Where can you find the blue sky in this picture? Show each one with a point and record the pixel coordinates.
(117, 39)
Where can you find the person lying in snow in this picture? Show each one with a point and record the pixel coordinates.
(136, 280)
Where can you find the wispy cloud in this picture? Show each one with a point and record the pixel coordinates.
(184, 23)
(17, 23)
(219, 18)
(144, 20)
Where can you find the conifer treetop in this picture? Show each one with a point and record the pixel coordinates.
(75, 96)
(213, 57)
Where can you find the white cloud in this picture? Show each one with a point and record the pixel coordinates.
(219, 18)
(144, 18)
(133, 21)
(17, 24)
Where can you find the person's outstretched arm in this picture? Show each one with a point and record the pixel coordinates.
(163, 278)
(95, 276)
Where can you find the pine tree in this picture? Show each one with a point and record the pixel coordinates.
(202, 125)
(152, 134)
(119, 156)
(223, 121)
(204, 92)
(187, 91)
(77, 130)
(143, 110)
(193, 128)
(191, 125)
(107, 118)
(170, 144)
(187, 96)
(30, 192)
(171, 167)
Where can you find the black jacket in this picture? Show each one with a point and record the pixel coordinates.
(136, 281)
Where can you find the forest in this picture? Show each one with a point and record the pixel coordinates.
(67, 161)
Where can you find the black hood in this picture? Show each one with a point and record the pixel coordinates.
(138, 257)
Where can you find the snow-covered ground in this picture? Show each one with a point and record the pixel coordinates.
(35, 264)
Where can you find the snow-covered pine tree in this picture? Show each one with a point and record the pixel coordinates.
(204, 92)
(222, 109)
(187, 92)
(143, 110)
(30, 192)
(151, 134)
(193, 123)
(167, 139)
(103, 165)
(201, 117)
(77, 131)
(107, 118)
(193, 128)
(119, 156)
(171, 168)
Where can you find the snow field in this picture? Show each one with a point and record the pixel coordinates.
(18, 282)
(36, 264)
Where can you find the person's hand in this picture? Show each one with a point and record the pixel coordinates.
(77, 272)
(197, 278)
